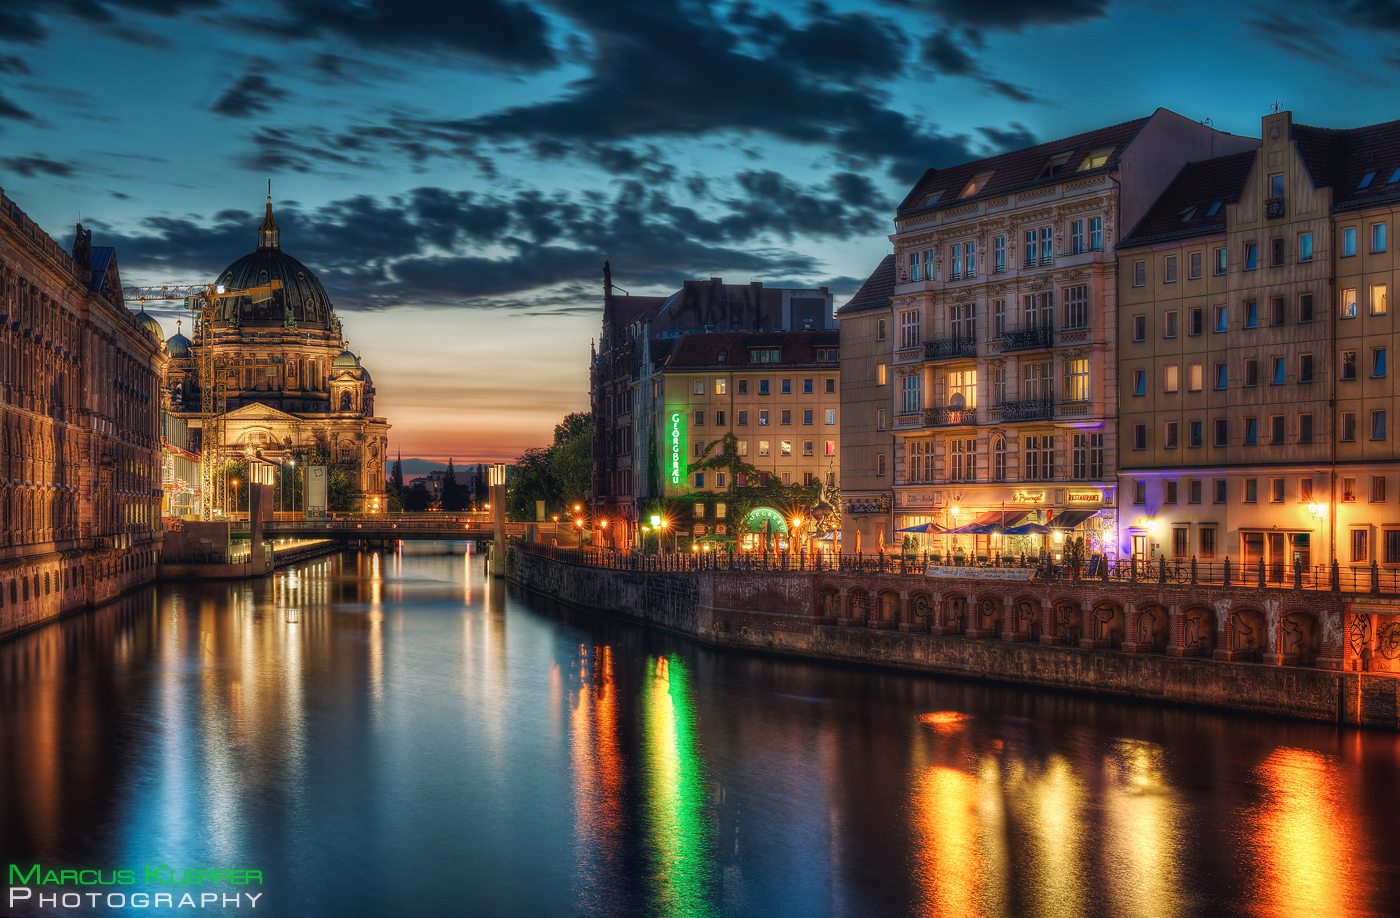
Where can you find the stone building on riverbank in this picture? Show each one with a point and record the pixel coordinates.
(79, 427)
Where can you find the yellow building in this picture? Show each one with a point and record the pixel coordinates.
(867, 435)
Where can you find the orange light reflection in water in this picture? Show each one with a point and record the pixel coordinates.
(1143, 834)
(598, 774)
(1303, 837)
(949, 856)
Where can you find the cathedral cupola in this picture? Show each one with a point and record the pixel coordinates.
(269, 236)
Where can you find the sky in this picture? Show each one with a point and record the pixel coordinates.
(457, 171)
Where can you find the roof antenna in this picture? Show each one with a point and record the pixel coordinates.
(1276, 107)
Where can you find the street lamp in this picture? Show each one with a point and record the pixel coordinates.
(954, 510)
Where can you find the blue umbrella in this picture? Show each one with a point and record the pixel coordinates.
(1027, 529)
(925, 529)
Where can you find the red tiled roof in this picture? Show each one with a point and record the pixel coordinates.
(876, 292)
(1195, 190)
(1018, 169)
(702, 350)
(1340, 158)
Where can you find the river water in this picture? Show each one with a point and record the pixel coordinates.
(390, 733)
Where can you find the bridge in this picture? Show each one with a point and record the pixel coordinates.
(409, 526)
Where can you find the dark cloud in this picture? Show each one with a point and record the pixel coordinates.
(438, 246)
(499, 31)
(253, 93)
(12, 111)
(1015, 138)
(946, 54)
(1007, 16)
(844, 47)
(24, 21)
(37, 165)
(11, 64)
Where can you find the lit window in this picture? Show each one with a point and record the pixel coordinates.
(1096, 159)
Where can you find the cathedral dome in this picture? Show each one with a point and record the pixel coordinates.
(301, 298)
(149, 323)
(178, 345)
(345, 361)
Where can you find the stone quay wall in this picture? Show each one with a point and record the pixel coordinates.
(1265, 651)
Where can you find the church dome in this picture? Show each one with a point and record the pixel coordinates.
(178, 345)
(149, 323)
(345, 361)
(301, 297)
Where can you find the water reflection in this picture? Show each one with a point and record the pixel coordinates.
(380, 716)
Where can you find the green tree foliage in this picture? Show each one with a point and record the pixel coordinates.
(341, 491)
(559, 475)
(530, 481)
(454, 497)
(417, 499)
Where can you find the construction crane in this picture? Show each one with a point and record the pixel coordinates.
(205, 301)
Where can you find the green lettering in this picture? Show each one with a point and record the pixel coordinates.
(82, 877)
(63, 876)
(126, 877)
(221, 876)
(156, 874)
(51, 878)
(249, 874)
(18, 878)
(211, 874)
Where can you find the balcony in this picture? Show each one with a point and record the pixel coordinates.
(950, 348)
(1027, 338)
(949, 417)
(1031, 410)
(1273, 208)
(1078, 409)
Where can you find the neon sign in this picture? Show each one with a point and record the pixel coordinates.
(676, 434)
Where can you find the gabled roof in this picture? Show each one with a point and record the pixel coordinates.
(876, 292)
(1341, 158)
(702, 350)
(1019, 169)
(1185, 208)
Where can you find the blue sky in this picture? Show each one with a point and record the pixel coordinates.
(457, 170)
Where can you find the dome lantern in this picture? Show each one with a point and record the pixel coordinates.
(269, 236)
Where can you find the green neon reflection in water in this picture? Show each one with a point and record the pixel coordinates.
(677, 829)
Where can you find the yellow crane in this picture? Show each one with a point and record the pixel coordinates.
(205, 301)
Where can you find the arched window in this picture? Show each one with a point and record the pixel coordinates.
(999, 459)
(345, 401)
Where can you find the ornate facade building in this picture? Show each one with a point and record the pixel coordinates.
(295, 391)
(79, 428)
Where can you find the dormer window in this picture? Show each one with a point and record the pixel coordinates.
(1096, 159)
(1394, 177)
(1366, 180)
(1214, 209)
(1189, 214)
(933, 196)
(723, 357)
(975, 184)
(1053, 165)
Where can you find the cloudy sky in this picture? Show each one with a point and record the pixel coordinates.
(456, 171)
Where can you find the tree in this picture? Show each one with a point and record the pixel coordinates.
(454, 497)
(531, 481)
(571, 457)
(417, 499)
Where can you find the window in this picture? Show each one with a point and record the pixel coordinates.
(1366, 180)
(1139, 328)
(1377, 425)
(831, 385)
(763, 419)
(999, 460)
(1305, 308)
(1305, 250)
(1172, 380)
(1348, 426)
(1171, 431)
(881, 374)
(1076, 307)
(1196, 323)
(787, 386)
(1251, 256)
(1030, 248)
(1140, 436)
(1280, 371)
(808, 447)
(699, 387)
(699, 450)
(1037, 383)
(962, 388)
(880, 466)
(1196, 377)
(1251, 372)
(765, 355)
(1046, 253)
(1169, 269)
(785, 417)
(999, 254)
(910, 396)
(785, 447)
(1207, 538)
(1039, 310)
(1095, 159)
(1040, 458)
(1222, 376)
(743, 387)
(1080, 457)
(1305, 490)
(1348, 303)
(1276, 430)
(1377, 489)
(831, 446)
(1348, 241)
(1096, 232)
(807, 388)
(1139, 382)
(1275, 252)
(1221, 490)
(880, 419)
(1348, 490)
(913, 271)
(970, 260)
(963, 318)
(1169, 491)
(1196, 436)
(1193, 266)
(1251, 314)
(1251, 431)
(1139, 274)
(1275, 490)
(1221, 319)
(1348, 364)
(1169, 323)
(721, 386)
(763, 387)
(1221, 261)
(1076, 236)
(1305, 428)
(956, 271)
(919, 466)
(699, 419)
(1276, 310)
(1139, 492)
(1392, 546)
(909, 328)
(1276, 186)
(743, 419)
(1360, 546)
(807, 417)
(962, 460)
(719, 418)
(880, 330)
(1377, 237)
(1251, 490)
(998, 318)
(1377, 362)
(1378, 300)
(1077, 379)
(699, 483)
(830, 416)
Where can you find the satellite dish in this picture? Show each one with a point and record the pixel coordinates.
(957, 402)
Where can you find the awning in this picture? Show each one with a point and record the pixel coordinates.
(1000, 518)
(1068, 519)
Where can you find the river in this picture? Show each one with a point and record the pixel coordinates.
(392, 733)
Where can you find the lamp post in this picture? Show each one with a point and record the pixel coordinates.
(954, 510)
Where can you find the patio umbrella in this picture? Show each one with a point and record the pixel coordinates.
(924, 529)
(1027, 529)
(973, 529)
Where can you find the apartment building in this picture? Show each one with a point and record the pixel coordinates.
(1254, 375)
(867, 428)
(1000, 358)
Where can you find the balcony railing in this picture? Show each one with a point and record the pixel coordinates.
(949, 417)
(1026, 338)
(950, 347)
(1078, 409)
(1273, 208)
(1030, 410)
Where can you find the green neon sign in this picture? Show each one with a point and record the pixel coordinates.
(760, 515)
(675, 436)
